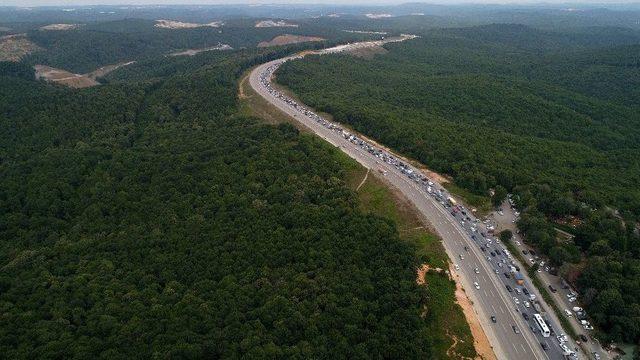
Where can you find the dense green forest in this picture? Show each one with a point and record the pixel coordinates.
(148, 218)
(98, 44)
(550, 116)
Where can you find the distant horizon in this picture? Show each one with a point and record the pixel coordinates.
(160, 3)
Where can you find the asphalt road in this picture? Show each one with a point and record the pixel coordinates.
(491, 299)
(505, 221)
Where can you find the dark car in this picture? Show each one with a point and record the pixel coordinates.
(517, 268)
(553, 290)
(525, 252)
(545, 347)
(525, 316)
(493, 254)
(525, 291)
(507, 275)
(483, 249)
(583, 338)
(532, 252)
(515, 329)
(509, 289)
(493, 319)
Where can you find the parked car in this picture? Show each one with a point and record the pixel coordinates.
(493, 319)
(553, 290)
(515, 329)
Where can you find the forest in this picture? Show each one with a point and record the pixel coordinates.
(550, 116)
(148, 218)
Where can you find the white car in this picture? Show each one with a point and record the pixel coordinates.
(567, 312)
(476, 285)
(526, 304)
(476, 271)
(456, 266)
(515, 299)
(461, 257)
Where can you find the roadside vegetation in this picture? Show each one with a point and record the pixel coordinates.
(151, 217)
(550, 116)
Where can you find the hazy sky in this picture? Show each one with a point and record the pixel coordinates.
(336, 2)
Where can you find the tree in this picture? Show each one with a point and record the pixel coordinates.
(506, 235)
(499, 196)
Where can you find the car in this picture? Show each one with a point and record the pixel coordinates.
(526, 304)
(509, 289)
(515, 329)
(518, 291)
(507, 275)
(493, 254)
(461, 257)
(525, 252)
(476, 271)
(476, 285)
(583, 338)
(466, 248)
(525, 316)
(493, 319)
(545, 347)
(568, 312)
(456, 266)
(553, 290)
(515, 300)
(532, 261)
(525, 291)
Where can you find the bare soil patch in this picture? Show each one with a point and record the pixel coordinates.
(64, 77)
(368, 52)
(288, 39)
(77, 81)
(480, 340)
(171, 24)
(15, 47)
(192, 52)
(422, 272)
(272, 23)
(60, 27)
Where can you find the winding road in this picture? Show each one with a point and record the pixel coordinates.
(489, 298)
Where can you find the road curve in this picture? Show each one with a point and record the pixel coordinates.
(491, 299)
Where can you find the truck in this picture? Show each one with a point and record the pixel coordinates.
(452, 201)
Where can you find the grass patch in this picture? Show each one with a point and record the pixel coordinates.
(445, 319)
(482, 204)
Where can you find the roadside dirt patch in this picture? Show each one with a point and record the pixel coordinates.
(60, 27)
(422, 272)
(15, 47)
(288, 39)
(271, 23)
(171, 24)
(480, 340)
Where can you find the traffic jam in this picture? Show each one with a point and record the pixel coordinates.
(481, 233)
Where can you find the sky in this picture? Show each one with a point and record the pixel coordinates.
(71, 3)
(334, 2)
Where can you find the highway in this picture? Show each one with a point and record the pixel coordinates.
(490, 297)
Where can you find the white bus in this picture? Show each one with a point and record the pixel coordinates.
(544, 329)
